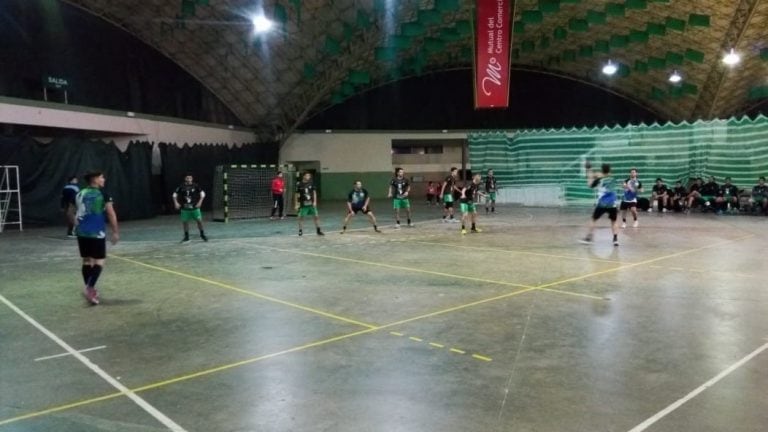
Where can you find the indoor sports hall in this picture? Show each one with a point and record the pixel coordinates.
(482, 304)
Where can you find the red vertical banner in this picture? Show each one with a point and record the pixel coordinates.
(493, 40)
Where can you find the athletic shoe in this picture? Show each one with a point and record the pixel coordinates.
(623, 224)
(282, 217)
(397, 226)
(615, 242)
(410, 225)
(271, 218)
(72, 236)
(463, 231)
(445, 220)
(476, 230)
(185, 240)
(586, 240)
(202, 236)
(634, 225)
(92, 295)
(663, 210)
(342, 231)
(301, 233)
(650, 210)
(377, 230)
(454, 221)
(320, 233)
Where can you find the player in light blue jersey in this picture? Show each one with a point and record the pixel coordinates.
(605, 185)
(632, 186)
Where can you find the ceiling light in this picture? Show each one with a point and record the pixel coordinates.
(731, 58)
(610, 68)
(261, 24)
(675, 77)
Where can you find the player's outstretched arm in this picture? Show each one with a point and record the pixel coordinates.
(112, 218)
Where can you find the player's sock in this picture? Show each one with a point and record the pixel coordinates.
(615, 237)
(319, 232)
(634, 218)
(186, 235)
(300, 231)
(409, 221)
(624, 220)
(493, 209)
(473, 226)
(344, 228)
(397, 222)
(94, 275)
(462, 226)
(86, 270)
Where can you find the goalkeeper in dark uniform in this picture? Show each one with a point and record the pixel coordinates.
(189, 198)
(359, 200)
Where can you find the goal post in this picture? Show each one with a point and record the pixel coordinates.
(243, 191)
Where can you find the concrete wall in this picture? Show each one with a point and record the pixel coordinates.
(125, 126)
(343, 157)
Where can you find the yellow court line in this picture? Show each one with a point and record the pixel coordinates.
(394, 267)
(724, 273)
(479, 357)
(437, 345)
(247, 292)
(632, 265)
(457, 351)
(330, 340)
(184, 377)
(513, 251)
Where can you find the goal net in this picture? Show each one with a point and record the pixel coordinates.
(244, 191)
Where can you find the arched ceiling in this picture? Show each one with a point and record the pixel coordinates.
(324, 51)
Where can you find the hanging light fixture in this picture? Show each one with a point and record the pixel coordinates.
(675, 77)
(610, 68)
(732, 58)
(261, 24)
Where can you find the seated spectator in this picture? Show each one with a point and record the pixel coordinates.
(694, 195)
(677, 198)
(727, 197)
(659, 195)
(708, 192)
(759, 199)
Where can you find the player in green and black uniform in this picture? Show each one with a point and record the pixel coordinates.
(468, 209)
(359, 200)
(606, 200)
(708, 192)
(660, 195)
(448, 191)
(93, 204)
(306, 203)
(694, 194)
(759, 198)
(490, 191)
(189, 198)
(399, 188)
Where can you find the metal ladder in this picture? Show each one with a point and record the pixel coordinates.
(10, 197)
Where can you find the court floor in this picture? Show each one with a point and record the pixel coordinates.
(516, 328)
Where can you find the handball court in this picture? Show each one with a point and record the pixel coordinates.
(517, 328)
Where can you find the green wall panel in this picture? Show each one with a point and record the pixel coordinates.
(734, 147)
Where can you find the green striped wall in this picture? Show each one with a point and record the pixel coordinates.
(736, 147)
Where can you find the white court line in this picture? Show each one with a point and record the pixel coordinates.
(66, 353)
(154, 412)
(659, 415)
